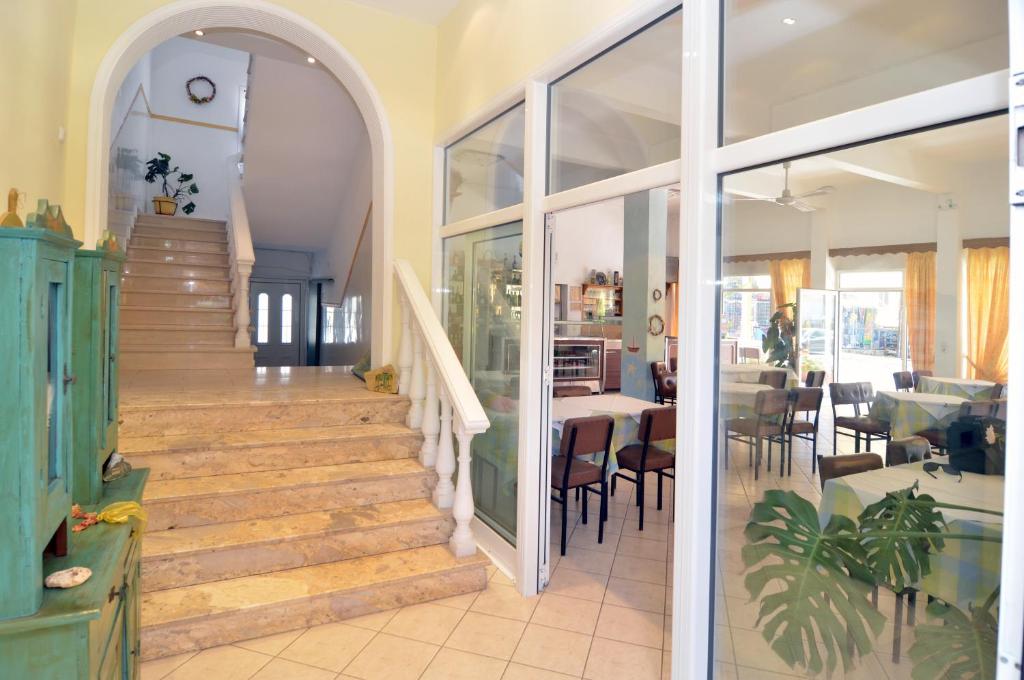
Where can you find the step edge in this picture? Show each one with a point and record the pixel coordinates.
(264, 444)
(371, 397)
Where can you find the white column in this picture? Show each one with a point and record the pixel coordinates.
(444, 493)
(404, 348)
(417, 384)
(462, 542)
(947, 287)
(431, 424)
(243, 337)
(822, 272)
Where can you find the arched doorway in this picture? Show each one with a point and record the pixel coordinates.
(253, 15)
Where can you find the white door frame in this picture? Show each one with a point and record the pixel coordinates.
(186, 16)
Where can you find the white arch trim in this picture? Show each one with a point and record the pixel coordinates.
(185, 16)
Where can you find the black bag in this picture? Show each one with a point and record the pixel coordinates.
(969, 448)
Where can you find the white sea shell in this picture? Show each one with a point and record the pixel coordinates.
(68, 578)
(990, 435)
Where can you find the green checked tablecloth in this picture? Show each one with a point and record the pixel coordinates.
(751, 373)
(911, 412)
(737, 399)
(965, 572)
(956, 387)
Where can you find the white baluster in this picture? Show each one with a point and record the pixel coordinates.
(404, 349)
(243, 337)
(444, 493)
(462, 542)
(431, 424)
(417, 387)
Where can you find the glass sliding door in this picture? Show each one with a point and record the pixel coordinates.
(816, 332)
(482, 313)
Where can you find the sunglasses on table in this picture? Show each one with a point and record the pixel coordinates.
(930, 467)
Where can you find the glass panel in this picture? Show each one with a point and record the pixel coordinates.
(262, 318)
(745, 316)
(53, 381)
(481, 310)
(619, 112)
(329, 325)
(484, 169)
(811, 554)
(787, 63)
(286, 319)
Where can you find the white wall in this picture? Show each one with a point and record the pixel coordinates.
(588, 237)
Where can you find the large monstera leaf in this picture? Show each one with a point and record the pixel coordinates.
(823, 606)
(897, 533)
(961, 647)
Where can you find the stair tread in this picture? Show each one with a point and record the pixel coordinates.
(145, 260)
(185, 347)
(213, 537)
(142, 445)
(218, 328)
(177, 605)
(168, 292)
(163, 308)
(177, 277)
(177, 219)
(194, 488)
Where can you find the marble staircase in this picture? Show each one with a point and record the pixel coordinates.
(176, 297)
(293, 501)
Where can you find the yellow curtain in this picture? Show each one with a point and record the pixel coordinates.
(988, 313)
(919, 287)
(787, 276)
(671, 307)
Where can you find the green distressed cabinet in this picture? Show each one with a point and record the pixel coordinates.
(97, 283)
(90, 632)
(35, 400)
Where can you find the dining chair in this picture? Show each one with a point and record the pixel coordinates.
(750, 354)
(997, 390)
(560, 391)
(999, 410)
(860, 425)
(664, 383)
(805, 400)
(907, 450)
(656, 424)
(815, 379)
(917, 375)
(904, 381)
(771, 409)
(774, 379)
(936, 436)
(580, 437)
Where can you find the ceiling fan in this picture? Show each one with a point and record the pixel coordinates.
(788, 200)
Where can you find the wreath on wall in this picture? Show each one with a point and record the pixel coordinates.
(197, 99)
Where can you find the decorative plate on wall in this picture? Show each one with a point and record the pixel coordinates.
(655, 325)
(656, 294)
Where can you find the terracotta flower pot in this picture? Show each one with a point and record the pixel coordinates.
(165, 205)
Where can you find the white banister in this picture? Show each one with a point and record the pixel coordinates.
(443, 404)
(240, 253)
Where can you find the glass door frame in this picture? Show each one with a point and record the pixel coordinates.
(705, 164)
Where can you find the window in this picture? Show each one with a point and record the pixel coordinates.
(484, 169)
(329, 324)
(352, 315)
(262, 319)
(619, 112)
(746, 308)
(286, 319)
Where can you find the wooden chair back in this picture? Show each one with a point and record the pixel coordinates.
(832, 467)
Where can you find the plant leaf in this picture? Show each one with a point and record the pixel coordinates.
(824, 587)
(194, 189)
(960, 647)
(188, 208)
(894, 558)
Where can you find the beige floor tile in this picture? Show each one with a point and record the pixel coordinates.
(723, 645)
(375, 621)
(631, 625)
(330, 646)
(726, 671)
(567, 613)
(552, 649)
(752, 651)
(666, 665)
(643, 547)
(392, 658)
(463, 602)
(587, 560)
(517, 671)
(282, 669)
(613, 660)
(505, 601)
(424, 622)
(451, 664)
(580, 584)
(666, 642)
(587, 540)
(161, 668)
(501, 578)
(746, 673)
(223, 663)
(271, 644)
(635, 594)
(488, 635)
(638, 569)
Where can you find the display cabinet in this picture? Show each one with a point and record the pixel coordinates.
(601, 301)
(579, 361)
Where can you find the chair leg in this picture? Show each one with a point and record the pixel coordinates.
(769, 454)
(640, 496)
(613, 484)
(856, 442)
(604, 512)
(789, 462)
(585, 494)
(912, 608)
(577, 494)
(757, 458)
(565, 523)
(897, 630)
(659, 489)
(835, 440)
(725, 450)
(814, 453)
(868, 440)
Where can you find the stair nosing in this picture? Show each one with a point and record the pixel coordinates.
(284, 400)
(399, 432)
(159, 308)
(205, 328)
(175, 264)
(165, 348)
(174, 277)
(168, 292)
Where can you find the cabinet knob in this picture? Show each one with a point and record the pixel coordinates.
(114, 593)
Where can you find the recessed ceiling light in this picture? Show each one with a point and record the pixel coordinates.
(311, 60)
(200, 33)
(789, 21)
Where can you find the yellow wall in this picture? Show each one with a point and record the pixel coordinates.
(488, 46)
(35, 55)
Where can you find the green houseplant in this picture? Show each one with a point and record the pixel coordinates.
(779, 343)
(159, 167)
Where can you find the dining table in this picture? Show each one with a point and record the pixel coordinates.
(751, 373)
(968, 388)
(910, 412)
(964, 572)
(738, 399)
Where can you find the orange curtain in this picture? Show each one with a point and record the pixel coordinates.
(787, 276)
(671, 308)
(919, 287)
(988, 312)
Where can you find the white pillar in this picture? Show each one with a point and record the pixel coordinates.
(431, 423)
(947, 287)
(444, 493)
(404, 349)
(822, 273)
(462, 542)
(417, 384)
(243, 336)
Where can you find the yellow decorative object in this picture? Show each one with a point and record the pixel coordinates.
(49, 217)
(383, 380)
(108, 242)
(118, 513)
(10, 218)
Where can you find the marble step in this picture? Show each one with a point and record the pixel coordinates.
(159, 298)
(198, 455)
(148, 314)
(174, 284)
(176, 232)
(251, 495)
(210, 614)
(160, 248)
(214, 552)
(183, 270)
(176, 334)
(276, 410)
(195, 223)
(148, 357)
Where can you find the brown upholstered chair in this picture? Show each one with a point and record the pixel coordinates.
(774, 379)
(664, 383)
(583, 436)
(999, 409)
(560, 391)
(859, 424)
(656, 424)
(815, 379)
(771, 408)
(803, 400)
(904, 381)
(981, 408)
(917, 375)
(998, 390)
(848, 464)
(907, 450)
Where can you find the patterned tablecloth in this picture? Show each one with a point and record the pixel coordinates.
(956, 387)
(625, 411)
(910, 412)
(965, 572)
(737, 399)
(751, 373)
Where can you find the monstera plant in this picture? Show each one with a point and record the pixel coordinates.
(821, 614)
(779, 342)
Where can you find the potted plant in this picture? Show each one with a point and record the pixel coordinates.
(167, 204)
(779, 343)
